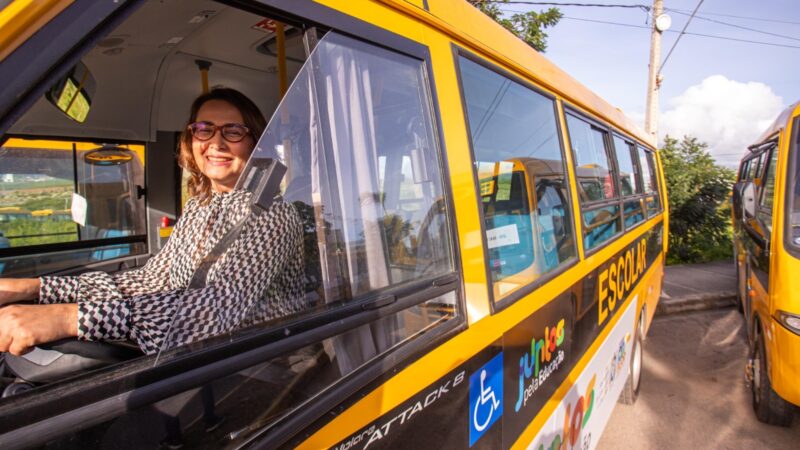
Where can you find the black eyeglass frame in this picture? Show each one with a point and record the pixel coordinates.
(193, 130)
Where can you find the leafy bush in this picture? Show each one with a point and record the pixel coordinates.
(698, 189)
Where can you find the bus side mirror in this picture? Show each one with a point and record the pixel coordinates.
(72, 94)
(749, 199)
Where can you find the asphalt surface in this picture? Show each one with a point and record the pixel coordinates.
(693, 392)
(693, 287)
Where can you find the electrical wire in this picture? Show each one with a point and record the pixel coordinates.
(736, 17)
(738, 26)
(685, 26)
(596, 5)
(726, 38)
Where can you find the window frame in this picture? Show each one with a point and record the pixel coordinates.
(595, 205)
(31, 250)
(636, 145)
(633, 146)
(91, 403)
(498, 305)
(792, 167)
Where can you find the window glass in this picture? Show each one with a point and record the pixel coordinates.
(67, 191)
(754, 168)
(743, 170)
(521, 176)
(628, 173)
(634, 212)
(768, 192)
(600, 225)
(647, 163)
(593, 168)
(366, 179)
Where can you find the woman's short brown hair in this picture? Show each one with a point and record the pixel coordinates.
(199, 184)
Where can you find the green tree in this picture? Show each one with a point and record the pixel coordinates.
(698, 190)
(528, 26)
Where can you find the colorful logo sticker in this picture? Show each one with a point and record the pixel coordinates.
(485, 398)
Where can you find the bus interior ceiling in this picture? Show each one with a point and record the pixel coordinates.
(147, 74)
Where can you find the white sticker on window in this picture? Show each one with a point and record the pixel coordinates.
(502, 236)
(79, 209)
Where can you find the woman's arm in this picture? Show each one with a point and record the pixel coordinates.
(101, 286)
(239, 280)
(13, 290)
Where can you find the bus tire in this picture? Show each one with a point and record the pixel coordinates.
(630, 392)
(769, 407)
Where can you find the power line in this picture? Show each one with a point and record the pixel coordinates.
(739, 26)
(685, 26)
(726, 38)
(736, 17)
(596, 5)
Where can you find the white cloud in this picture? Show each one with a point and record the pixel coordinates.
(727, 115)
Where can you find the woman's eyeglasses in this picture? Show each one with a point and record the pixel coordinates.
(231, 132)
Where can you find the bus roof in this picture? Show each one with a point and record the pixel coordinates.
(471, 27)
(780, 122)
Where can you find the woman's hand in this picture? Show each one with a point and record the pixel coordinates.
(24, 326)
(13, 290)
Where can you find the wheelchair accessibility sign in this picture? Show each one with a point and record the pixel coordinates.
(485, 398)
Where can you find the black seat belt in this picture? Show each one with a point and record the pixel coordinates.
(263, 179)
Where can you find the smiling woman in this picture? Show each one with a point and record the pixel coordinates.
(140, 305)
(214, 147)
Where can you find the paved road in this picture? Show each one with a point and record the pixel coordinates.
(693, 393)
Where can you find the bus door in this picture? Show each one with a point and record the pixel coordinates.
(756, 232)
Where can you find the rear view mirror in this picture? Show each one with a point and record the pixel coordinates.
(73, 93)
(749, 199)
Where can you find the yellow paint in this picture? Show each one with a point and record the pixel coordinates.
(44, 144)
(782, 345)
(22, 18)
(164, 232)
(455, 23)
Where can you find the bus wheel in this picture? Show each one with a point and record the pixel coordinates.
(768, 405)
(631, 390)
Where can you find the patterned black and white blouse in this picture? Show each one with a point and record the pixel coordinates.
(259, 277)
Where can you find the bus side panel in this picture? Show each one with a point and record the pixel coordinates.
(503, 394)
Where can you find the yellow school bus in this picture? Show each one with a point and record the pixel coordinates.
(484, 237)
(766, 223)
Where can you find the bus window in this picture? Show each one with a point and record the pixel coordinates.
(521, 177)
(55, 192)
(647, 163)
(755, 166)
(628, 172)
(630, 182)
(768, 192)
(743, 170)
(596, 182)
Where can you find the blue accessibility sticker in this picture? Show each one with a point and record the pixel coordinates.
(485, 398)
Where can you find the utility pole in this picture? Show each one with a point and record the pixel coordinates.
(654, 78)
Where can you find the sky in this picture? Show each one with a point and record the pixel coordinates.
(722, 91)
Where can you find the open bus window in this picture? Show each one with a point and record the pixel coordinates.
(57, 192)
(366, 180)
(521, 177)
